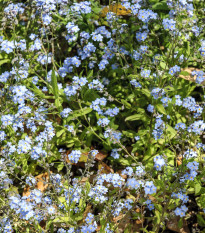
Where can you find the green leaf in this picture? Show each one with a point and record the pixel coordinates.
(69, 145)
(90, 74)
(200, 220)
(184, 73)
(146, 92)
(128, 105)
(61, 219)
(125, 162)
(79, 113)
(158, 216)
(54, 84)
(58, 104)
(87, 186)
(97, 10)
(160, 6)
(197, 188)
(180, 223)
(201, 201)
(163, 65)
(134, 117)
(172, 132)
(60, 166)
(160, 108)
(60, 132)
(38, 92)
(139, 116)
(128, 133)
(4, 61)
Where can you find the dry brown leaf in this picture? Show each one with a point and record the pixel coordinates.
(189, 77)
(139, 221)
(84, 157)
(179, 160)
(87, 210)
(153, 199)
(23, 17)
(42, 183)
(172, 225)
(98, 228)
(84, 179)
(104, 168)
(120, 173)
(117, 8)
(100, 156)
(118, 218)
(137, 227)
(125, 220)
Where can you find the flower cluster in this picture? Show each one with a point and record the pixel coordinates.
(97, 119)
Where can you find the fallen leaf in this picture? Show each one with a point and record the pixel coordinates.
(117, 8)
(42, 184)
(87, 210)
(84, 179)
(189, 77)
(179, 160)
(42, 181)
(98, 228)
(100, 156)
(125, 221)
(141, 220)
(153, 199)
(172, 225)
(104, 168)
(120, 173)
(84, 156)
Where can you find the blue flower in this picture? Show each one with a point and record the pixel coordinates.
(4, 77)
(65, 112)
(135, 83)
(150, 188)
(74, 156)
(180, 125)
(70, 128)
(7, 46)
(157, 92)
(37, 45)
(145, 73)
(141, 36)
(137, 138)
(115, 154)
(133, 183)
(175, 69)
(169, 24)
(159, 162)
(143, 49)
(72, 28)
(7, 119)
(181, 211)
(150, 108)
(97, 37)
(103, 64)
(127, 171)
(103, 122)
(51, 210)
